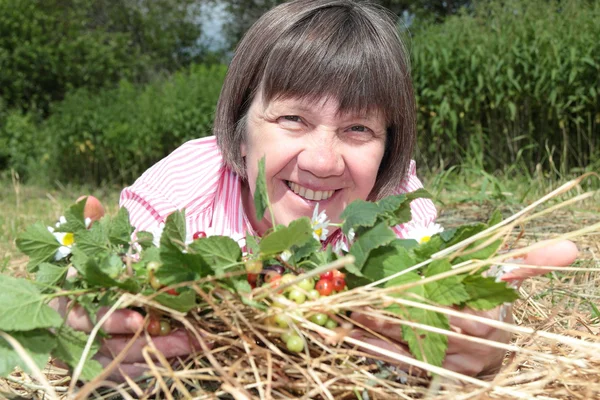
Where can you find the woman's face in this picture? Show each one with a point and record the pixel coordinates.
(313, 156)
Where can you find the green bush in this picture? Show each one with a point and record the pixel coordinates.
(48, 47)
(512, 83)
(114, 135)
(23, 147)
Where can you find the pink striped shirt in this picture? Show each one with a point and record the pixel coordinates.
(195, 178)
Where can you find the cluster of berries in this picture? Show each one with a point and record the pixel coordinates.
(274, 276)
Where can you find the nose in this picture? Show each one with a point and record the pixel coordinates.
(322, 157)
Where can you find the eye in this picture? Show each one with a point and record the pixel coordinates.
(290, 122)
(359, 128)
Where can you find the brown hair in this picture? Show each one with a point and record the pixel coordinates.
(344, 49)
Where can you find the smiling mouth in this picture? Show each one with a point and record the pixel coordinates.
(309, 194)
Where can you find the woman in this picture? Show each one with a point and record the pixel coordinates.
(322, 89)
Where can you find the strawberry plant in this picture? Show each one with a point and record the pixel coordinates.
(285, 269)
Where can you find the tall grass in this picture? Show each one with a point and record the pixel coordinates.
(512, 83)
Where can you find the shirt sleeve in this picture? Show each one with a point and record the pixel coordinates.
(423, 210)
(187, 179)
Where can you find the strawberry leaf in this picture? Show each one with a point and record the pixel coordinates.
(359, 214)
(183, 302)
(120, 230)
(261, 198)
(50, 274)
(38, 343)
(446, 291)
(218, 251)
(485, 293)
(74, 216)
(296, 234)
(373, 238)
(173, 236)
(23, 306)
(70, 346)
(39, 244)
(92, 241)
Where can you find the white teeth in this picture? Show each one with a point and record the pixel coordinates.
(310, 194)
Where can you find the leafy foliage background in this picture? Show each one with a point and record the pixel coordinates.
(97, 91)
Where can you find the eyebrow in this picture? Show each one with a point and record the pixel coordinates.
(301, 106)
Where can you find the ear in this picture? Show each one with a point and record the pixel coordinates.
(243, 149)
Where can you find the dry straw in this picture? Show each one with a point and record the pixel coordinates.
(555, 353)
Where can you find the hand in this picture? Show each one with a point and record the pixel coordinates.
(122, 325)
(462, 355)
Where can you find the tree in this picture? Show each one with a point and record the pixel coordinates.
(50, 46)
(245, 12)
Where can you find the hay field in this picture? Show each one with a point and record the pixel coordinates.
(555, 353)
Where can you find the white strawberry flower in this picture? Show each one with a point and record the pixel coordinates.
(66, 240)
(422, 232)
(320, 224)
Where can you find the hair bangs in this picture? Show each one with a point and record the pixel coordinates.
(335, 55)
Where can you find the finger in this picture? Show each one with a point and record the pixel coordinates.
(116, 375)
(123, 321)
(464, 364)
(559, 254)
(177, 344)
(474, 328)
(385, 328)
(93, 210)
(388, 345)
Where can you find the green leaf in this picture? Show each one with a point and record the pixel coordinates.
(145, 239)
(300, 253)
(70, 348)
(50, 274)
(359, 213)
(173, 236)
(75, 219)
(424, 250)
(464, 232)
(39, 244)
(183, 302)
(180, 267)
(218, 251)
(481, 254)
(447, 291)
(485, 293)
(23, 306)
(447, 234)
(387, 260)
(38, 343)
(373, 238)
(495, 219)
(261, 197)
(92, 241)
(251, 244)
(424, 345)
(95, 276)
(390, 204)
(120, 230)
(296, 234)
(112, 265)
